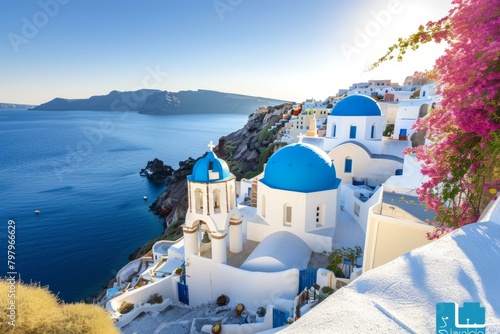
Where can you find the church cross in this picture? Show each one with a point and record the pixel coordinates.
(211, 146)
(300, 136)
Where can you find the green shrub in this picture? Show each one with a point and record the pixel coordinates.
(388, 130)
(327, 290)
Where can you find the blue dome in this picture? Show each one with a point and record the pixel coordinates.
(209, 169)
(356, 105)
(300, 167)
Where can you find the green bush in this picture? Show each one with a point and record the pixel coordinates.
(336, 258)
(388, 130)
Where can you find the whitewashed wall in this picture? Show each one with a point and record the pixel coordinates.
(166, 287)
(252, 289)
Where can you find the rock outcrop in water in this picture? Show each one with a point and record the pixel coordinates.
(245, 152)
(156, 170)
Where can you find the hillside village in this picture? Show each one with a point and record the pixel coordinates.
(337, 180)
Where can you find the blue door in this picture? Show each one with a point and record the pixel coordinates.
(183, 293)
(280, 318)
(307, 277)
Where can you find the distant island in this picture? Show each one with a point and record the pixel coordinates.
(158, 102)
(4, 105)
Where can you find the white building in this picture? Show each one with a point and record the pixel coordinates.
(296, 213)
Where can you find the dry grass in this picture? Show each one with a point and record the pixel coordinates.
(39, 311)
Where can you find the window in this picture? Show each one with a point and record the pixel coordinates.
(198, 200)
(373, 131)
(211, 174)
(352, 133)
(334, 132)
(287, 215)
(217, 201)
(348, 165)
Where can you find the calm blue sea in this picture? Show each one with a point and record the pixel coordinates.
(81, 170)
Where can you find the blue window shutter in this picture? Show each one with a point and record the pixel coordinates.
(352, 134)
(348, 165)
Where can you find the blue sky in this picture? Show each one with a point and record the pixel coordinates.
(287, 49)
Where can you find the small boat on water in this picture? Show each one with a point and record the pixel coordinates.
(37, 212)
(145, 198)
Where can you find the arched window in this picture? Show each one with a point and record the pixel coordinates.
(348, 165)
(198, 200)
(217, 203)
(352, 132)
(263, 206)
(424, 108)
(287, 215)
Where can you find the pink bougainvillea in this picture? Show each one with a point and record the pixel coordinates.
(462, 157)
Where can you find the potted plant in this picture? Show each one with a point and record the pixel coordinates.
(261, 312)
(326, 291)
(239, 309)
(155, 299)
(222, 300)
(217, 327)
(178, 271)
(125, 307)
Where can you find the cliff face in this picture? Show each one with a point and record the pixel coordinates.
(245, 151)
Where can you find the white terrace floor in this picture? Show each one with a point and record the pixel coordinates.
(348, 234)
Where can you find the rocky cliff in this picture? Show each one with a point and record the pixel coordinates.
(245, 151)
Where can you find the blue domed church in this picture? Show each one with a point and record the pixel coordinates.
(298, 193)
(355, 118)
(295, 214)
